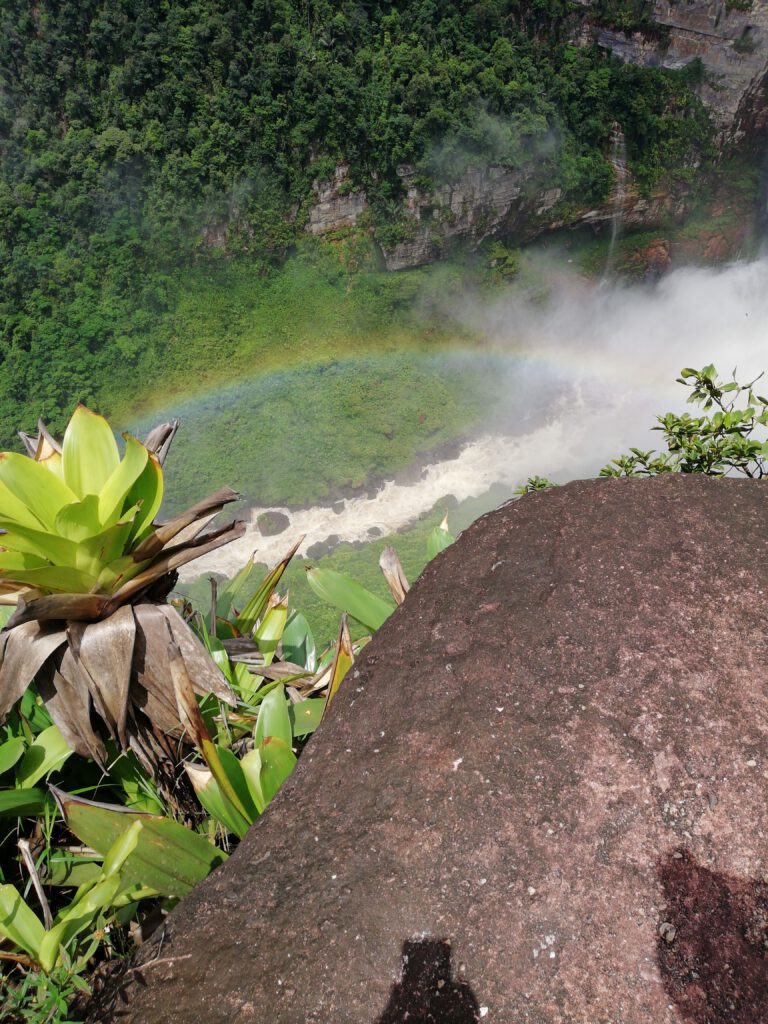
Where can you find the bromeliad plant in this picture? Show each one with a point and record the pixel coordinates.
(89, 571)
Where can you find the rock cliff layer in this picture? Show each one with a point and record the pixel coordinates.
(732, 44)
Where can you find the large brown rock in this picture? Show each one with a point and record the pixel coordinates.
(541, 797)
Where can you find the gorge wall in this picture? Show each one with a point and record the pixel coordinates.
(492, 201)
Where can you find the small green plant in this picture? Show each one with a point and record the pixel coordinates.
(506, 261)
(534, 483)
(746, 42)
(43, 997)
(89, 569)
(724, 440)
(76, 924)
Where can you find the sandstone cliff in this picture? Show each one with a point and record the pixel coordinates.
(732, 45)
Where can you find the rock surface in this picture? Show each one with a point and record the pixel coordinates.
(732, 44)
(541, 797)
(337, 204)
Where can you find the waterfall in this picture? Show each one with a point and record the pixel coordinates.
(620, 174)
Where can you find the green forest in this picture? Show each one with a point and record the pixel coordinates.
(127, 129)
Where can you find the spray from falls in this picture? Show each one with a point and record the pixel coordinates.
(585, 375)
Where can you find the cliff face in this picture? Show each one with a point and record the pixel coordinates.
(732, 45)
(491, 201)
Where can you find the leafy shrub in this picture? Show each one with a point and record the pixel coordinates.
(724, 441)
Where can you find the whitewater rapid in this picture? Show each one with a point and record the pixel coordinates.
(480, 465)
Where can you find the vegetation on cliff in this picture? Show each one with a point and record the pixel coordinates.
(133, 135)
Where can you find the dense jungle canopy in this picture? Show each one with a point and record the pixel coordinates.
(128, 127)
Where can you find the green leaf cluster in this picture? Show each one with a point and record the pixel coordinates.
(72, 516)
(729, 438)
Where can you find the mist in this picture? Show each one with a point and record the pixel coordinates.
(606, 357)
(578, 378)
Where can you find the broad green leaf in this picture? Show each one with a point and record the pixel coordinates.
(439, 539)
(242, 680)
(119, 571)
(269, 631)
(250, 764)
(147, 492)
(76, 918)
(90, 452)
(212, 756)
(299, 643)
(41, 492)
(95, 553)
(44, 544)
(122, 848)
(349, 596)
(277, 763)
(58, 579)
(227, 595)
(19, 923)
(15, 511)
(220, 808)
(305, 716)
(10, 752)
(217, 651)
(112, 497)
(168, 858)
(234, 772)
(273, 719)
(71, 869)
(189, 712)
(14, 561)
(80, 519)
(20, 803)
(49, 752)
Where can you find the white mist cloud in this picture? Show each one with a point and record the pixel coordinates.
(615, 352)
(585, 374)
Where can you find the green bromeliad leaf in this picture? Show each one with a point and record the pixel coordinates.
(18, 922)
(70, 523)
(39, 491)
(112, 497)
(89, 451)
(48, 546)
(147, 492)
(349, 596)
(439, 539)
(168, 858)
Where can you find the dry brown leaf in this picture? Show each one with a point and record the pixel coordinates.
(27, 648)
(391, 567)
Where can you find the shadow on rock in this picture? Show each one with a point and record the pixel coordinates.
(712, 943)
(427, 993)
